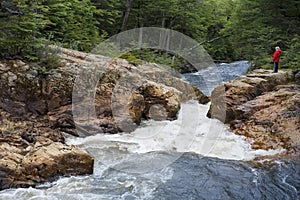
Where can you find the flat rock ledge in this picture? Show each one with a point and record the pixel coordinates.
(263, 106)
(30, 159)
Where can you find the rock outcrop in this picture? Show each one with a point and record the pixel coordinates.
(272, 119)
(262, 106)
(227, 97)
(26, 161)
(36, 108)
(26, 91)
(31, 153)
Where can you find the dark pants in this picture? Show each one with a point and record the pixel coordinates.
(275, 67)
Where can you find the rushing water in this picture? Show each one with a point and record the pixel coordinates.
(190, 158)
(207, 79)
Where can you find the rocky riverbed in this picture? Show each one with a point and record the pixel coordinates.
(36, 111)
(263, 106)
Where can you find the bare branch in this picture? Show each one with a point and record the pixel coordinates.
(14, 12)
(205, 41)
(6, 6)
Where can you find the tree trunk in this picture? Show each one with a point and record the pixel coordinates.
(126, 14)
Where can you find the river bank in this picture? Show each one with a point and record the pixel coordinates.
(262, 106)
(36, 115)
(36, 111)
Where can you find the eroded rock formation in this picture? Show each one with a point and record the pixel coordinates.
(272, 119)
(119, 86)
(36, 107)
(31, 153)
(262, 106)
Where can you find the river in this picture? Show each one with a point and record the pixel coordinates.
(193, 157)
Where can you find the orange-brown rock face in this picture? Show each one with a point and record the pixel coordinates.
(124, 94)
(226, 98)
(29, 156)
(272, 120)
(262, 106)
(36, 107)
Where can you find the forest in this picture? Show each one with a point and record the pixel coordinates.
(228, 29)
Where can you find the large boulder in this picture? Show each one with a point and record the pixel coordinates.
(262, 106)
(25, 90)
(227, 97)
(159, 101)
(27, 159)
(272, 120)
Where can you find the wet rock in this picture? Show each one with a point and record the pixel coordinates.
(137, 107)
(27, 160)
(31, 152)
(172, 79)
(62, 119)
(226, 98)
(274, 116)
(262, 106)
(161, 102)
(36, 109)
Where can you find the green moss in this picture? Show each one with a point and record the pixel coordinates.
(131, 59)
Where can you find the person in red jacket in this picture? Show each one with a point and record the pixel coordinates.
(276, 58)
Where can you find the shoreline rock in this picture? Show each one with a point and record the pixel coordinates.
(272, 119)
(263, 106)
(32, 153)
(25, 92)
(36, 108)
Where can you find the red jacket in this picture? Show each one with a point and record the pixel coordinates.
(276, 55)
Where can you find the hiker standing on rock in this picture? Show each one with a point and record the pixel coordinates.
(276, 58)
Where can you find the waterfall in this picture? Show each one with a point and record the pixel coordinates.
(193, 157)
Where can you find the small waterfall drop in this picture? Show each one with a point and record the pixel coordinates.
(193, 157)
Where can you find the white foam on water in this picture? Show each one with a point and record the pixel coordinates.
(191, 132)
(149, 144)
(115, 185)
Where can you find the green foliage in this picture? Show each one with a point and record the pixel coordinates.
(20, 25)
(257, 26)
(109, 15)
(292, 55)
(131, 58)
(155, 56)
(48, 58)
(72, 24)
(201, 20)
(26, 25)
(189, 17)
(228, 29)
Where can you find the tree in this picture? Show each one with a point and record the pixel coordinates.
(109, 16)
(128, 6)
(228, 29)
(72, 23)
(20, 29)
(258, 26)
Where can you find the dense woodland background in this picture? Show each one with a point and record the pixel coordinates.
(229, 29)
